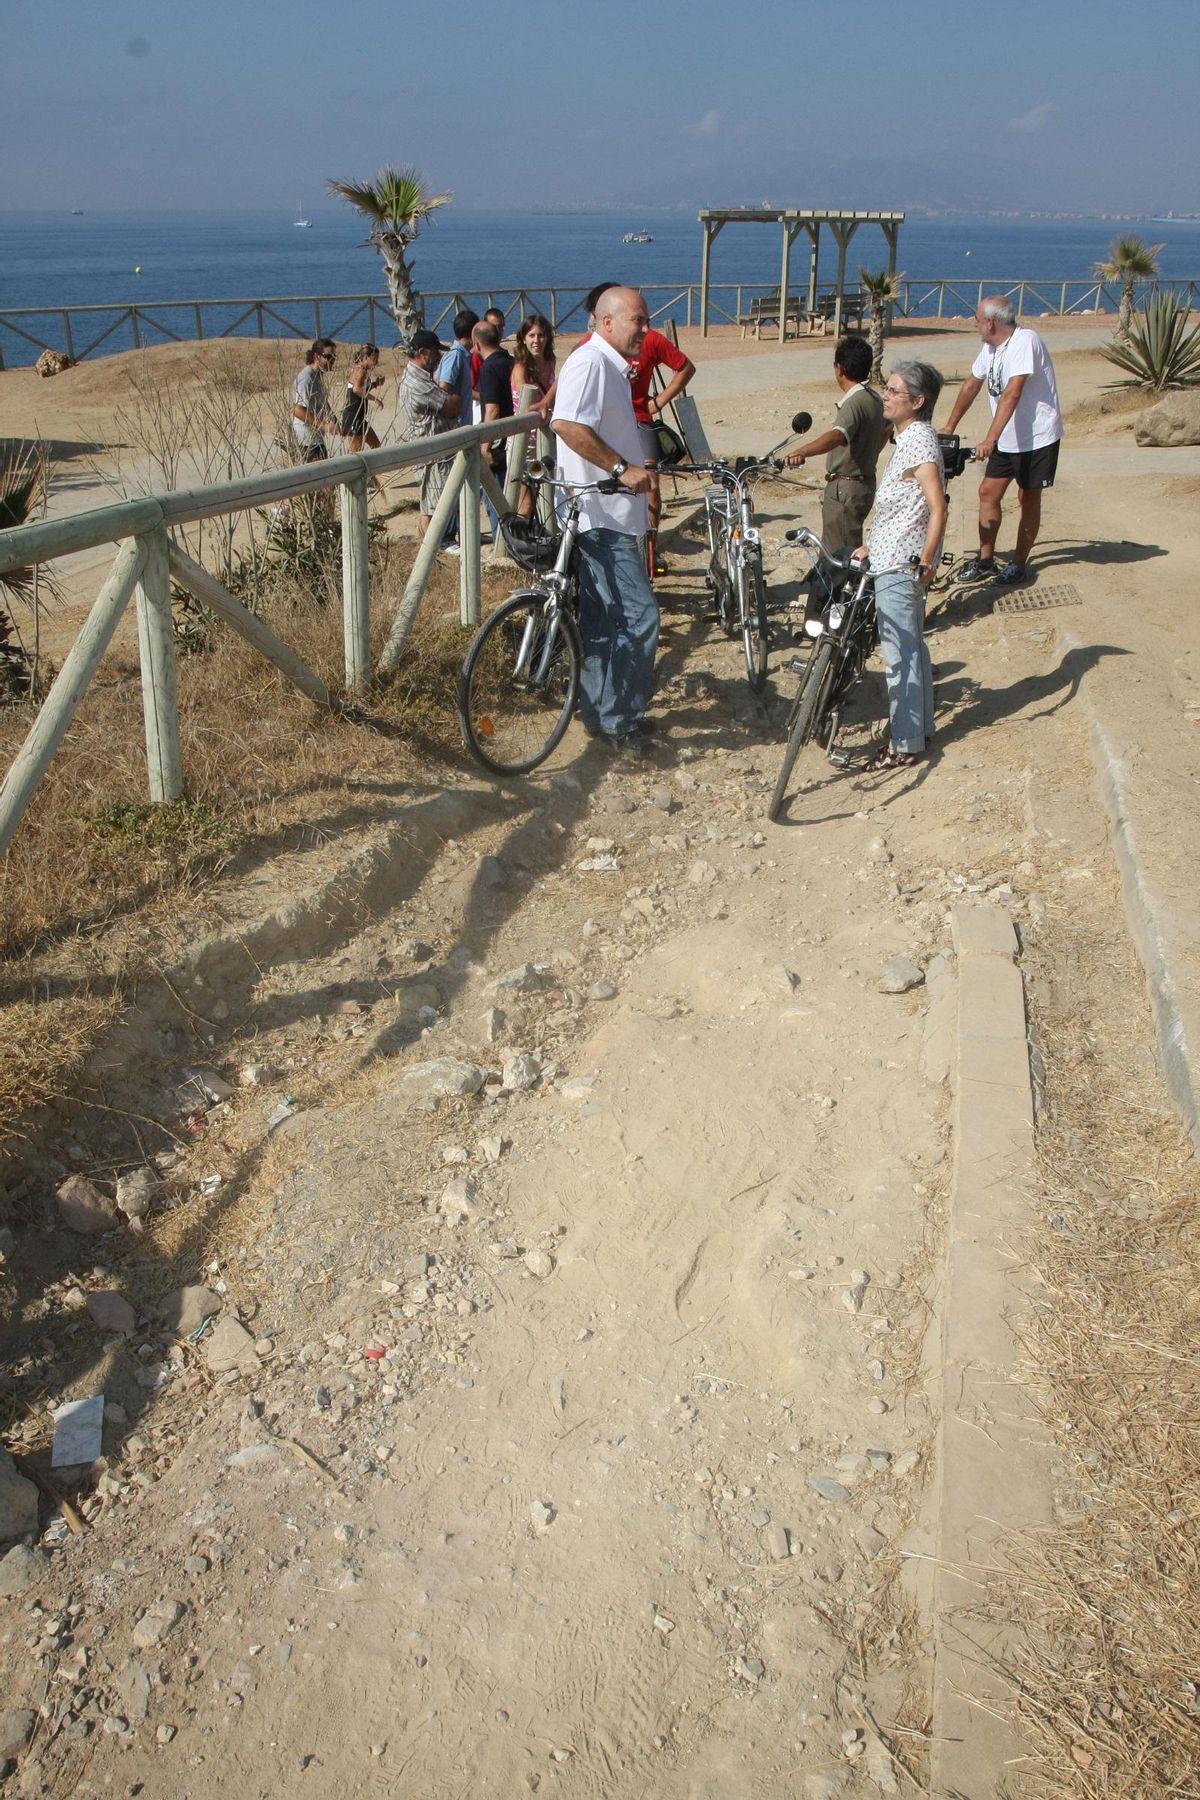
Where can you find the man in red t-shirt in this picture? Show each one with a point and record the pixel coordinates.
(657, 352)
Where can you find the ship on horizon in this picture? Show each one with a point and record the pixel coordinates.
(1174, 218)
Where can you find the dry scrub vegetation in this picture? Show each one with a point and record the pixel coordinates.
(266, 771)
(1110, 1601)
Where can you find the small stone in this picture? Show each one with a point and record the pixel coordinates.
(702, 874)
(602, 990)
(539, 1263)
(18, 1501)
(661, 798)
(777, 1542)
(16, 1729)
(906, 1462)
(663, 1624)
(455, 1153)
(878, 1407)
(521, 1071)
(111, 1311)
(83, 1208)
(257, 1074)
(750, 1668)
(828, 1488)
(852, 1297)
(526, 978)
(494, 1023)
(542, 1514)
(491, 1148)
(871, 1542)
(875, 1369)
(20, 1569)
(443, 1079)
(196, 1565)
(576, 1087)
(157, 1622)
(164, 1733)
(254, 1459)
(229, 1346)
(457, 1203)
(802, 1272)
(899, 975)
(879, 1460)
(184, 1310)
(760, 1518)
(136, 1191)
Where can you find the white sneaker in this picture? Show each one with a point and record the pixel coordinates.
(451, 550)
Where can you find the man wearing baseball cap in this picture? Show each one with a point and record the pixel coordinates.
(427, 409)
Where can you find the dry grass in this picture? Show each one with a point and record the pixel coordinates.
(95, 873)
(1109, 1602)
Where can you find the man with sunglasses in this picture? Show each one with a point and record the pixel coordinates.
(312, 416)
(1022, 441)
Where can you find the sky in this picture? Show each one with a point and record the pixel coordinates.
(1036, 105)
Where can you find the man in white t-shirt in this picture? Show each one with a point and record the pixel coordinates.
(1022, 441)
(598, 437)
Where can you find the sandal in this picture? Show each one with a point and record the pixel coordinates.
(893, 759)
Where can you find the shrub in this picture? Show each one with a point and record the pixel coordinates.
(1160, 350)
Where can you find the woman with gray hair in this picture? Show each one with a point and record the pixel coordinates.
(908, 523)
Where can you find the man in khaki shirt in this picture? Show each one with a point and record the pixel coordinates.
(850, 447)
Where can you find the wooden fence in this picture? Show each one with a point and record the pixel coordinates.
(82, 331)
(148, 560)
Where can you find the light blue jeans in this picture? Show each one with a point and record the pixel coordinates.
(900, 609)
(618, 623)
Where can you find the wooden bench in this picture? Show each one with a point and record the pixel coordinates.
(764, 310)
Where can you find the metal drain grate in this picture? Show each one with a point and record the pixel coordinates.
(1038, 599)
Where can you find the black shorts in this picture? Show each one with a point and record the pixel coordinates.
(1028, 468)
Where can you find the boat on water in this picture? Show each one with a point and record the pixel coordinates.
(300, 222)
(637, 237)
(1172, 218)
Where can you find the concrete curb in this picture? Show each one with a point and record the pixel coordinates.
(992, 1479)
(1176, 1016)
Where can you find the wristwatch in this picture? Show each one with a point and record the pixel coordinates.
(617, 470)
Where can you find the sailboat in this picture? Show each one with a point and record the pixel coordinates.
(300, 222)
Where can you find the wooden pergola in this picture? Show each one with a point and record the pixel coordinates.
(794, 220)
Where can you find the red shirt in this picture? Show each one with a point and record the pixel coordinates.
(657, 352)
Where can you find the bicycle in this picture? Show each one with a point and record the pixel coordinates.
(843, 634)
(735, 568)
(520, 676)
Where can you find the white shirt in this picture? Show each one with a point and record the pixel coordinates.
(593, 390)
(901, 509)
(1037, 420)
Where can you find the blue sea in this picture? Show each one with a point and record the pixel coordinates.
(116, 258)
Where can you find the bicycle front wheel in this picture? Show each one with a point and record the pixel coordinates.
(752, 605)
(519, 684)
(807, 713)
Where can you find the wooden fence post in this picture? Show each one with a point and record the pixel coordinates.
(470, 578)
(356, 589)
(58, 709)
(156, 648)
(406, 612)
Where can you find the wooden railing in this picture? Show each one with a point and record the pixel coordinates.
(148, 560)
(82, 331)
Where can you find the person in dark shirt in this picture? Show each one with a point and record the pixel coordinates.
(495, 392)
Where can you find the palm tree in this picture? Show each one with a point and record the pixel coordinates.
(396, 205)
(1129, 260)
(24, 478)
(882, 290)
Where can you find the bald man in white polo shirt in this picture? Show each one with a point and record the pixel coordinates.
(598, 438)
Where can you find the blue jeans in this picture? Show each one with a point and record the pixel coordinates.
(900, 609)
(618, 623)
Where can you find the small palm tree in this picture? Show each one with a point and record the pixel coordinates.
(1129, 260)
(396, 205)
(882, 289)
(24, 479)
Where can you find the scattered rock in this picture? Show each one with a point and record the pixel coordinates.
(663, 1624)
(133, 1688)
(111, 1311)
(542, 1514)
(164, 1733)
(53, 362)
(852, 1297)
(661, 798)
(906, 1462)
(184, 1310)
(492, 1148)
(494, 1023)
(899, 975)
(602, 990)
(577, 1087)
(828, 1488)
(702, 874)
(18, 1501)
(83, 1208)
(871, 1542)
(20, 1569)
(1173, 421)
(750, 1668)
(457, 1202)
(442, 1079)
(229, 1346)
(539, 1263)
(16, 1727)
(777, 1542)
(254, 1075)
(135, 1192)
(157, 1622)
(521, 1071)
(526, 978)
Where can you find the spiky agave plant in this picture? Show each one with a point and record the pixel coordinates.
(395, 205)
(1161, 349)
(24, 475)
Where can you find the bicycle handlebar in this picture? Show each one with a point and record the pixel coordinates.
(801, 534)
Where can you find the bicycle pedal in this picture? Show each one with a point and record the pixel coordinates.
(797, 665)
(841, 759)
